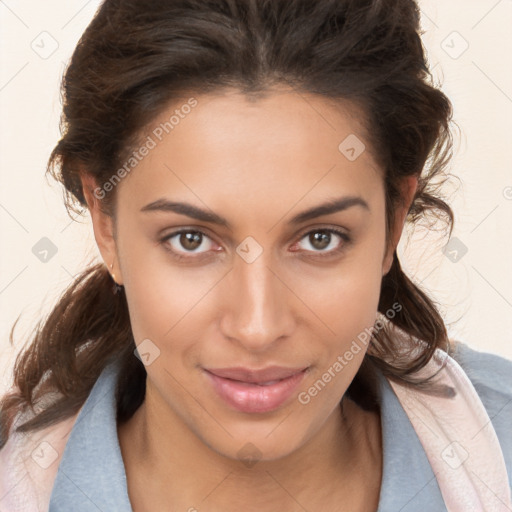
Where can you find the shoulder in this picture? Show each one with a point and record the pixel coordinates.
(491, 376)
(29, 462)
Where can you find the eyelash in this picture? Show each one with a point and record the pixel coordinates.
(321, 254)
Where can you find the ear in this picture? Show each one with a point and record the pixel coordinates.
(103, 226)
(408, 189)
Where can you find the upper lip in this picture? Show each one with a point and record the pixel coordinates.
(256, 376)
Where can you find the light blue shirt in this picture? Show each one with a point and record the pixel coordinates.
(91, 476)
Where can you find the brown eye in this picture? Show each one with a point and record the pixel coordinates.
(190, 240)
(325, 241)
(320, 239)
(186, 243)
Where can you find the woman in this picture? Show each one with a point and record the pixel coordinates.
(250, 340)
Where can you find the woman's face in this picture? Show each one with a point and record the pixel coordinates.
(269, 285)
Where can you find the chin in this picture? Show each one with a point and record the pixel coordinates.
(262, 444)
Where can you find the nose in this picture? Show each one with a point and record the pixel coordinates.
(258, 307)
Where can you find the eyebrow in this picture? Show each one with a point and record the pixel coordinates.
(332, 206)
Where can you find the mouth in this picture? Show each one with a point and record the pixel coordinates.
(255, 391)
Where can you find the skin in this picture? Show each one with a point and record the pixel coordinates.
(257, 164)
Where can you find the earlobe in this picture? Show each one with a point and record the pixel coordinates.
(102, 226)
(408, 189)
(88, 186)
(388, 261)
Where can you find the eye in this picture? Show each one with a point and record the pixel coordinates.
(187, 241)
(321, 240)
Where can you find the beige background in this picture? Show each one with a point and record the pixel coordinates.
(469, 44)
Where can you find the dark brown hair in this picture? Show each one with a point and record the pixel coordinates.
(134, 59)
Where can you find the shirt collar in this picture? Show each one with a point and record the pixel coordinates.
(408, 482)
(91, 474)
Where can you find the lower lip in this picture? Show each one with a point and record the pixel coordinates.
(252, 398)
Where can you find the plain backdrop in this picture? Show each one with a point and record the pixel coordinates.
(468, 42)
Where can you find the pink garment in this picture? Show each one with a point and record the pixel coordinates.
(459, 440)
(25, 485)
(456, 433)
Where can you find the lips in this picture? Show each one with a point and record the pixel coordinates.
(255, 391)
(265, 375)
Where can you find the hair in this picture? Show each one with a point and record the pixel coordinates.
(134, 59)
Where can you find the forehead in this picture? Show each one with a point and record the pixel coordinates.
(282, 148)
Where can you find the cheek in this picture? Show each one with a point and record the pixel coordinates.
(346, 298)
(167, 305)
(347, 305)
(161, 295)
(349, 309)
